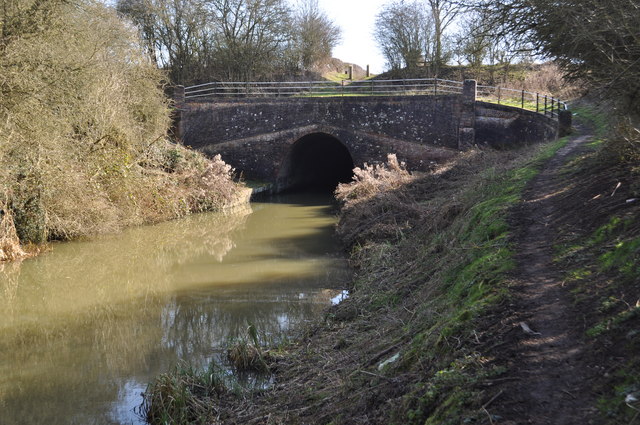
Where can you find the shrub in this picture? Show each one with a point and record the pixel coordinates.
(83, 125)
(373, 180)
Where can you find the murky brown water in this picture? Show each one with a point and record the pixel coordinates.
(85, 327)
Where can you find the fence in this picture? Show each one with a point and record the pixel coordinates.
(325, 88)
(543, 104)
(424, 86)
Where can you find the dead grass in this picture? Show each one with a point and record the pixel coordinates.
(374, 189)
(246, 352)
(184, 396)
(83, 128)
(625, 141)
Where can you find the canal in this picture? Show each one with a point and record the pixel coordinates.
(86, 326)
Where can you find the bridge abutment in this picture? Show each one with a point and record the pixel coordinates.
(466, 129)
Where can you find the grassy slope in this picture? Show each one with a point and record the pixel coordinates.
(434, 259)
(443, 271)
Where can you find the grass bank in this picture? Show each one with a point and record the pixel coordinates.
(600, 255)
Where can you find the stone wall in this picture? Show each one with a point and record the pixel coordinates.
(501, 126)
(256, 135)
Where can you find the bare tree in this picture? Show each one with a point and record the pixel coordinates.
(173, 32)
(443, 13)
(404, 34)
(473, 42)
(315, 34)
(249, 36)
(203, 40)
(595, 41)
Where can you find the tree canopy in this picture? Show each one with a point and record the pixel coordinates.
(597, 42)
(83, 124)
(232, 40)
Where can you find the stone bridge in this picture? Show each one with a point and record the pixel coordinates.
(300, 141)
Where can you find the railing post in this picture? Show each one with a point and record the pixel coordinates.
(342, 95)
(564, 122)
(499, 95)
(522, 100)
(435, 86)
(552, 101)
(545, 105)
(537, 102)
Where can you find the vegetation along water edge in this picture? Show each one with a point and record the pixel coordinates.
(84, 131)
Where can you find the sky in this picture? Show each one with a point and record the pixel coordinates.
(356, 18)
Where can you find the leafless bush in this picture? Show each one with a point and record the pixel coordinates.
(372, 180)
(594, 41)
(625, 141)
(83, 124)
(210, 183)
(548, 78)
(375, 191)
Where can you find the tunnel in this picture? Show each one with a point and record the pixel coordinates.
(316, 162)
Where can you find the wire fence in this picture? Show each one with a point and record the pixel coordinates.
(544, 104)
(531, 101)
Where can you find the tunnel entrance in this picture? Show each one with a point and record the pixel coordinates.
(317, 162)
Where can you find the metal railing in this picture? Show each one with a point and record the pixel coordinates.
(421, 86)
(537, 102)
(543, 104)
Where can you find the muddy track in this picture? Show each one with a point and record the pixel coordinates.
(549, 372)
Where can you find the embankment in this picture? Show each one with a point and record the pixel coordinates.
(84, 126)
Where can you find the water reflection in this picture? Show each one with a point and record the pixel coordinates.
(86, 326)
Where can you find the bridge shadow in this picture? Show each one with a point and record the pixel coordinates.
(317, 162)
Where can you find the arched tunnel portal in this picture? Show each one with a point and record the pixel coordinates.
(318, 162)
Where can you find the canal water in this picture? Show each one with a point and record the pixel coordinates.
(85, 327)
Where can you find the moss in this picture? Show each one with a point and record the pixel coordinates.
(624, 258)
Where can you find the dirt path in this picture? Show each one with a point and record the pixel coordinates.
(549, 373)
